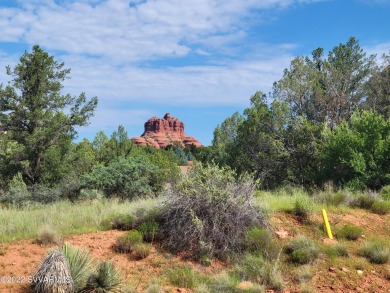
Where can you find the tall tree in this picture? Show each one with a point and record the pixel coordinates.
(36, 114)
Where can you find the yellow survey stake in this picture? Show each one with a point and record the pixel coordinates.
(327, 226)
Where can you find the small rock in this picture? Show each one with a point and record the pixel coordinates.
(332, 268)
(282, 234)
(344, 269)
(359, 272)
(363, 236)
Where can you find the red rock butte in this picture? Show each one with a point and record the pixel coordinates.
(161, 133)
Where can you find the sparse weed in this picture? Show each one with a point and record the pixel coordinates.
(303, 209)
(154, 286)
(337, 250)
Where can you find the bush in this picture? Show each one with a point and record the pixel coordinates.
(302, 250)
(364, 201)
(335, 199)
(381, 207)
(107, 279)
(17, 193)
(126, 178)
(122, 222)
(376, 252)
(80, 264)
(149, 230)
(257, 269)
(350, 232)
(260, 240)
(142, 250)
(126, 243)
(303, 209)
(385, 192)
(47, 235)
(212, 207)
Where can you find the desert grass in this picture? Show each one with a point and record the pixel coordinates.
(65, 217)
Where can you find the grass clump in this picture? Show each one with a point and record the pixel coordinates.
(350, 232)
(257, 269)
(376, 252)
(385, 192)
(302, 250)
(303, 209)
(107, 279)
(123, 222)
(149, 230)
(365, 200)
(381, 207)
(126, 242)
(80, 264)
(142, 250)
(183, 276)
(47, 235)
(225, 282)
(335, 198)
(260, 240)
(213, 207)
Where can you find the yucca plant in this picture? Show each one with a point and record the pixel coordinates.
(80, 263)
(107, 279)
(53, 275)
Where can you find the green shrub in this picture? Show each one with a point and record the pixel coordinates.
(211, 206)
(126, 178)
(80, 264)
(350, 232)
(376, 252)
(381, 207)
(142, 250)
(385, 192)
(183, 276)
(302, 250)
(149, 230)
(261, 240)
(256, 268)
(303, 209)
(126, 242)
(106, 280)
(47, 235)
(17, 193)
(122, 222)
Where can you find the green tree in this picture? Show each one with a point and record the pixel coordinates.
(36, 114)
(378, 89)
(357, 154)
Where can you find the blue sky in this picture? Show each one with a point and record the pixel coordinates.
(200, 60)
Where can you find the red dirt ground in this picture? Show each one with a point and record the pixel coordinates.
(21, 259)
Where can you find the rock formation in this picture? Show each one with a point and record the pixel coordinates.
(160, 133)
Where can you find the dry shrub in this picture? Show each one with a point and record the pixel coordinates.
(211, 209)
(53, 275)
(47, 235)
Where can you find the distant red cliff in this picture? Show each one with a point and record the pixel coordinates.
(160, 133)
